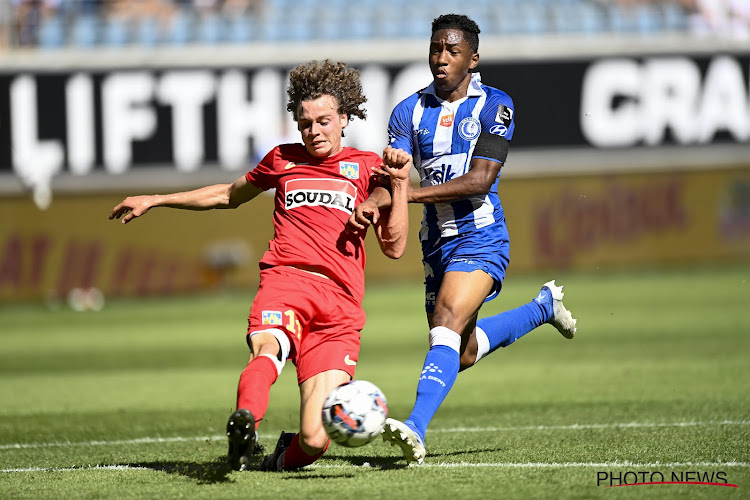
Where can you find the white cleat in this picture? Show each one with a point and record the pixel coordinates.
(562, 319)
(398, 433)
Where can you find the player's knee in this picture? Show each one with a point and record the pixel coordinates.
(448, 316)
(273, 344)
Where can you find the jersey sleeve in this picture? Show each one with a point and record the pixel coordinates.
(263, 174)
(497, 115)
(399, 128)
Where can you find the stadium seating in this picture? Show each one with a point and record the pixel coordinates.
(83, 23)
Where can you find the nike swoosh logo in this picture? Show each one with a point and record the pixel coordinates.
(291, 164)
(349, 361)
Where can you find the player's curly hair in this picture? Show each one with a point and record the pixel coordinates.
(460, 22)
(313, 79)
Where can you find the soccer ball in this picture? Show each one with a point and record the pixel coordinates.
(354, 413)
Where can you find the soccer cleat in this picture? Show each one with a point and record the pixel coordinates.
(243, 440)
(562, 319)
(271, 462)
(398, 433)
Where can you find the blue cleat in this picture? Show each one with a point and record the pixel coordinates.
(398, 433)
(562, 319)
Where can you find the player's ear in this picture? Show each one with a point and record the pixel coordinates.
(344, 121)
(474, 60)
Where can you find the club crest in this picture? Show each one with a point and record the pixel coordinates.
(348, 169)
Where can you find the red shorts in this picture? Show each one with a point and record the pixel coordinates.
(322, 322)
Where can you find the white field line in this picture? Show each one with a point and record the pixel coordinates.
(440, 465)
(71, 444)
(573, 427)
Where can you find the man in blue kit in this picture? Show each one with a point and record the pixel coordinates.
(458, 129)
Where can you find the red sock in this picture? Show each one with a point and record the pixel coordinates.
(295, 457)
(255, 386)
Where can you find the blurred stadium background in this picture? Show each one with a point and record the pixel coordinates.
(632, 148)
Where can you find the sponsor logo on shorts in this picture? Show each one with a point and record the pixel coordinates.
(469, 128)
(333, 193)
(348, 361)
(428, 272)
(349, 169)
(271, 317)
(465, 261)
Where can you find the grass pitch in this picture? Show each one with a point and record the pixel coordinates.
(131, 402)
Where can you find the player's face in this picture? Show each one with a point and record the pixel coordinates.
(451, 60)
(321, 126)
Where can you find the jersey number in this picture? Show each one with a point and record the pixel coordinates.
(294, 325)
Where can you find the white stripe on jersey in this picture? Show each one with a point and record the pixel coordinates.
(445, 161)
(443, 140)
(484, 214)
(441, 148)
(415, 119)
(475, 114)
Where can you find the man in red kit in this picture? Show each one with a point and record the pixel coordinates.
(308, 306)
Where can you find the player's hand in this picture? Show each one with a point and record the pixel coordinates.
(131, 207)
(397, 163)
(363, 216)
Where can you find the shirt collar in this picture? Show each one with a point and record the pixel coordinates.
(474, 90)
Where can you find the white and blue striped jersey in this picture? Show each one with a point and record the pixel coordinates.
(441, 136)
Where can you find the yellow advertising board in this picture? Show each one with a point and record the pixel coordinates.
(601, 221)
(73, 244)
(628, 220)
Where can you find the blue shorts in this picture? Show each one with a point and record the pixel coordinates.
(486, 249)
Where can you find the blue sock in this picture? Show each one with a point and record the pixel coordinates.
(505, 328)
(438, 375)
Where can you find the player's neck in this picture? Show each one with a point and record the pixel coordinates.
(458, 93)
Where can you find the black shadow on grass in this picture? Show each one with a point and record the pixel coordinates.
(216, 471)
(468, 452)
(376, 462)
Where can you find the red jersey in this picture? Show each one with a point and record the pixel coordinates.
(314, 198)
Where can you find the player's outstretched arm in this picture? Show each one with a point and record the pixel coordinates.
(205, 198)
(393, 230)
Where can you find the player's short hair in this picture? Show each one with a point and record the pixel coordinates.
(461, 22)
(314, 79)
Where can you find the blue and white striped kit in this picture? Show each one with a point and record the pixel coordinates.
(441, 136)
